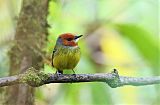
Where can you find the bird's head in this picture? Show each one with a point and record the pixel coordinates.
(69, 39)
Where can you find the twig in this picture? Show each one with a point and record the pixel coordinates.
(35, 78)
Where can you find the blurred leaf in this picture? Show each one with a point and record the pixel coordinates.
(143, 40)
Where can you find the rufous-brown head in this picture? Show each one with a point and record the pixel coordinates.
(69, 39)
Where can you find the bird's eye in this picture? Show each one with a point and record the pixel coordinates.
(69, 39)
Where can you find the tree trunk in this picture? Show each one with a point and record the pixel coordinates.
(30, 38)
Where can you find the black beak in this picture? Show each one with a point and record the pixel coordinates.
(76, 37)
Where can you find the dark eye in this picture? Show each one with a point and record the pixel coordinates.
(69, 39)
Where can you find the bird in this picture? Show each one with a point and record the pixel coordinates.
(66, 53)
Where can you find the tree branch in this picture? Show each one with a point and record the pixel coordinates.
(7, 81)
(35, 78)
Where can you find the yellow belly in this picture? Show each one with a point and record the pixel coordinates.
(66, 59)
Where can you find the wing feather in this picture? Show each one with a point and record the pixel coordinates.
(53, 56)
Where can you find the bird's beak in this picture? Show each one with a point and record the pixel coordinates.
(77, 38)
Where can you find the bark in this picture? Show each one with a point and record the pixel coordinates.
(30, 38)
(37, 78)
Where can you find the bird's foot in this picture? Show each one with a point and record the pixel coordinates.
(74, 74)
(58, 73)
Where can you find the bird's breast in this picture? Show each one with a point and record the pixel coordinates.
(66, 58)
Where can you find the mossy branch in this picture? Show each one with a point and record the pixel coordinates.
(37, 78)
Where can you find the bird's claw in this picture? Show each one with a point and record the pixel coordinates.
(57, 74)
(74, 75)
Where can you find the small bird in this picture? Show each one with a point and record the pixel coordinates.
(66, 53)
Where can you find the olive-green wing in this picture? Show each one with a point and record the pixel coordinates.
(53, 56)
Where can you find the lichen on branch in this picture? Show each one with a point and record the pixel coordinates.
(34, 77)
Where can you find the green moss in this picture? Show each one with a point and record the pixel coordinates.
(115, 82)
(34, 77)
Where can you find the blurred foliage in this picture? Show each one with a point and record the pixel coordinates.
(119, 34)
(8, 15)
(144, 42)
